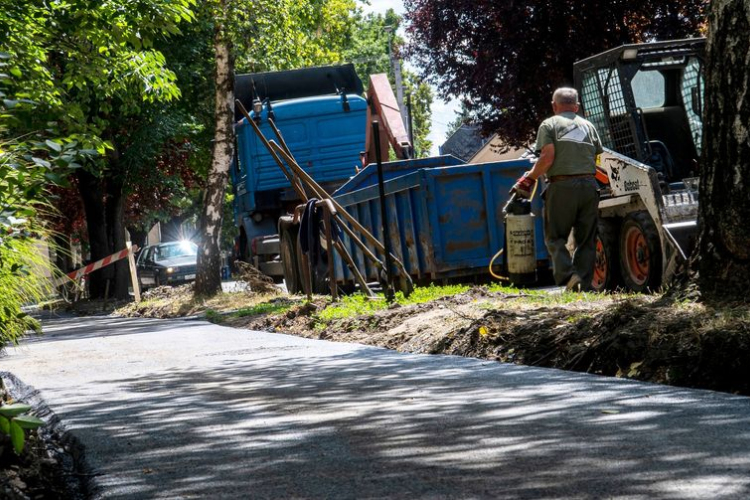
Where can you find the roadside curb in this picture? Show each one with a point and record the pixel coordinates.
(81, 478)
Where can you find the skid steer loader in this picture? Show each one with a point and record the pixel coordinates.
(646, 101)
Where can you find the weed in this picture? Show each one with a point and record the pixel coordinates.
(277, 307)
(214, 317)
(360, 305)
(14, 422)
(575, 318)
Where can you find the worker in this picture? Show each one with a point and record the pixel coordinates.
(568, 146)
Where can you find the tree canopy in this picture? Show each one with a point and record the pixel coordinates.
(371, 38)
(505, 58)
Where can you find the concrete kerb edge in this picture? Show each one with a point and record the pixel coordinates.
(80, 477)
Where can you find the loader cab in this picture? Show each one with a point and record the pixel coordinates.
(646, 100)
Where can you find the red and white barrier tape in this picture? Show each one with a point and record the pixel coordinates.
(95, 266)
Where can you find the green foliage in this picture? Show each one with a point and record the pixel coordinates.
(276, 307)
(463, 117)
(14, 422)
(370, 39)
(358, 304)
(26, 167)
(421, 101)
(214, 316)
(285, 34)
(23, 271)
(87, 63)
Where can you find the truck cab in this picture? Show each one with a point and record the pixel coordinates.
(321, 115)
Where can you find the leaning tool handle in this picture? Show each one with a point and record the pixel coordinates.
(297, 184)
(407, 284)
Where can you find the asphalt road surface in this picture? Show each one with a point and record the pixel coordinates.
(186, 409)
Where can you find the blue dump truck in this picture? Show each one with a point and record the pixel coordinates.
(446, 216)
(322, 115)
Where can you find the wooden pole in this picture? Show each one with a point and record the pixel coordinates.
(133, 271)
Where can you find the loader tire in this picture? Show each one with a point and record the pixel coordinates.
(607, 266)
(640, 253)
(289, 256)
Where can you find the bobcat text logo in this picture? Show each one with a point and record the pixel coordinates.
(631, 185)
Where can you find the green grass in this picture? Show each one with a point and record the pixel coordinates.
(277, 307)
(359, 305)
(214, 316)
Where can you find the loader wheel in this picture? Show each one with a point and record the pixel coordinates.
(289, 258)
(606, 266)
(640, 253)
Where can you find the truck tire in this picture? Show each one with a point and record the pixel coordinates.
(607, 266)
(288, 244)
(640, 253)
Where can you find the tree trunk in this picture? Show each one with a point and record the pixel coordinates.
(115, 211)
(208, 278)
(92, 196)
(724, 265)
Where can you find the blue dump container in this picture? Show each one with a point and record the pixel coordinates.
(445, 217)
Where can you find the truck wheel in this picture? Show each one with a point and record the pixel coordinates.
(640, 253)
(289, 259)
(606, 266)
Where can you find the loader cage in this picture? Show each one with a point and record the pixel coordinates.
(646, 100)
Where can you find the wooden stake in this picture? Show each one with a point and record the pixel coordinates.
(133, 272)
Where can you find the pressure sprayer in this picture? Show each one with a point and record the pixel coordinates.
(519, 224)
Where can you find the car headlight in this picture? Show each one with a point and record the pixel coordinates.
(171, 270)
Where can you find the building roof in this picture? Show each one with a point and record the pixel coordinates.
(464, 142)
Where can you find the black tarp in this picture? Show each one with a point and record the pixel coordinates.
(295, 83)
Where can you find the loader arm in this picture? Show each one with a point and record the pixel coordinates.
(383, 107)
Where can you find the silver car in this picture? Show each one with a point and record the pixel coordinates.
(172, 263)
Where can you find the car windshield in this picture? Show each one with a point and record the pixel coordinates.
(181, 249)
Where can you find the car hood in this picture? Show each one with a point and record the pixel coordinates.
(186, 260)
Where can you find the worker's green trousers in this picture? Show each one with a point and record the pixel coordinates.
(572, 204)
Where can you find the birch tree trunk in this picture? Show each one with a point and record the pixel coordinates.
(208, 278)
(724, 265)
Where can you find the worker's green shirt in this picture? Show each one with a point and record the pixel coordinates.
(576, 144)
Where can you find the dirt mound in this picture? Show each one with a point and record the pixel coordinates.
(256, 280)
(646, 338)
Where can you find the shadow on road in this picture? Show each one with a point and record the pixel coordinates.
(63, 326)
(376, 424)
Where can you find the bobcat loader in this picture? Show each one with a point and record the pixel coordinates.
(646, 101)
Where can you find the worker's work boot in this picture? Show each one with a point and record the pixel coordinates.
(574, 283)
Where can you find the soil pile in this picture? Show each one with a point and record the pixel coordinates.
(256, 280)
(655, 339)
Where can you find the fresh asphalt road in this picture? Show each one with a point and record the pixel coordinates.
(186, 409)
